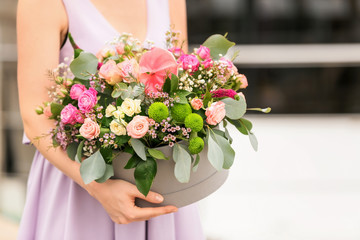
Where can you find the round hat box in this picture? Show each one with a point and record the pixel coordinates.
(203, 182)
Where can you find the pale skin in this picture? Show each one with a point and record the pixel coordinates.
(41, 28)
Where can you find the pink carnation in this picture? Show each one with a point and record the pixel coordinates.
(215, 113)
(196, 103)
(87, 100)
(243, 81)
(138, 126)
(189, 62)
(220, 93)
(89, 129)
(208, 63)
(203, 52)
(76, 90)
(69, 114)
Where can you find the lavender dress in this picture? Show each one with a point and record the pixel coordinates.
(56, 207)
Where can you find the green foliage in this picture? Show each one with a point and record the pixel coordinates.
(107, 154)
(167, 85)
(196, 145)
(92, 168)
(55, 109)
(218, 45)
(157, 154)
(109, 172)
(180, 111)
(174, 82)
(195, 122)
(182, 163)
(139, 148)
(158, 111)
(234, 109)
(133, 162)
(214, 154)
(228, 151)
(196, 163)
(84, 65)
(144, 175)
(71, 150)
(181, 95)
(78, 156)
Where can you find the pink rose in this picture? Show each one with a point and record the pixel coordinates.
(68, 114)
(129, 69)
(243, 81)
(138, 127)
(120, 48)
(87, 100)
(196, 103)
(203, 52)
(189, 62)
(47, 111)
(215, 113)
(208, 63)
(110, 72)
(104, 53)
(228, 63)
(177, 52)
(240, 94)
(76, 90)
(89, 129)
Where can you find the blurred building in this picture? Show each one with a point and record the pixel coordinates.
(300, 56)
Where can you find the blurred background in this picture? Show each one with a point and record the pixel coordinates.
(302, 58)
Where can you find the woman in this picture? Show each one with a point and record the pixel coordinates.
(59, 205)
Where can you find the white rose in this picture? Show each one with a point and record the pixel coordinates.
(117, 128)
(129, 107)
(119, 113)
(109, 110)
(138, 107)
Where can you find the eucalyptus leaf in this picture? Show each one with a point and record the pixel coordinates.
(92, 168)
(157, 154)
(109, 172)
(116, 93)
(228, 151)
(253, 141)
(218, 45)
(235, 109)
(71, 150)
(85, 64)
(78, 156)
(246, 123)
(239, 126)
(144, 175)
(139, 148)
(196, 163)
(214, 154)
(182, 163)
(227, 135)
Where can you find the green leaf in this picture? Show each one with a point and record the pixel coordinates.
(234, 109)
(182, 94)
(253, 141)
(214, 154)
(85, 64)
(71, 150)
(157, 154)
(227, 135)
(139, 148)
(78, 156)
(109, 172)
(122, 139)
(228, 151)
(116, 93)
(218, 132)
(239, 126)
(107, 154)
(182, 163)
(144, 175)
(55, 109)
(218, 44)
(167, 85)
(207, 98)
(133, 162)
(92, 168)
(246, 123)
(196, 163)
(174, 82)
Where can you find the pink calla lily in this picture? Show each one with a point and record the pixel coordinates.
(155, 66)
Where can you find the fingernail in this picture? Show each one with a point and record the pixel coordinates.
(159, 198)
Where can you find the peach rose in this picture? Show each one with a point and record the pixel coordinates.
(196, 103)
(47, 111)
(215, 113)
(120, 48)
(129, 70)
(104, 53)
(138, 127)
(243, 81)
(89, 129)
(110, 72)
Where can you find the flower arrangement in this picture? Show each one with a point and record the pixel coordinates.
(134, 98)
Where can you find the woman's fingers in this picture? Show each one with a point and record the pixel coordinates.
(147, 213)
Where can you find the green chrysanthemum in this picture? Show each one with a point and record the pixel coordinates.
(180, 111)
(194, 121)
(196, 145)
(158, 111)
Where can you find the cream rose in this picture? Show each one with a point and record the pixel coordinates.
(89, 129)
(109, 110)
(119, 113)
(117, 128)
(130, 106)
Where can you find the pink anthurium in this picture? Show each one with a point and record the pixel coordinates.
(155, 66)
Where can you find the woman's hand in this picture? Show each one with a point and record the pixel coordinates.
(118, 199)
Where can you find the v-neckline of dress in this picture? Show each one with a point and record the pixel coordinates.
(111, 26)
